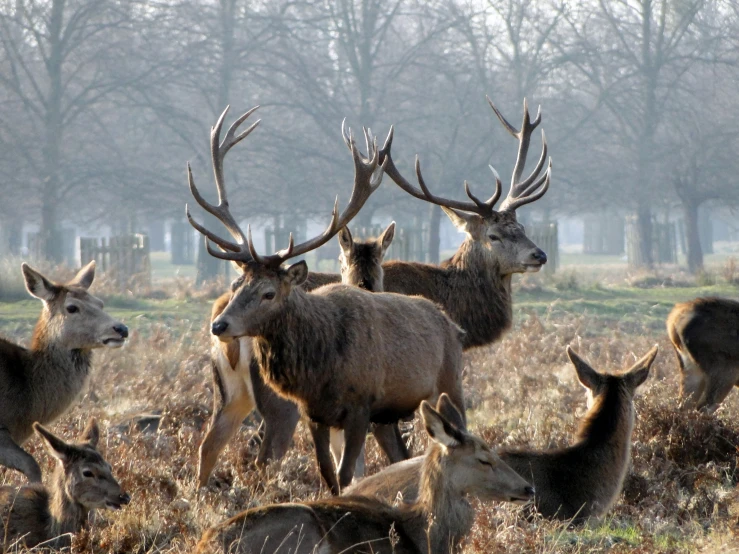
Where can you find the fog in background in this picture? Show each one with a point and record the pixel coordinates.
(103, 102)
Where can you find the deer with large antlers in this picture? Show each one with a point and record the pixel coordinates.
(346, 356)
(473, 287)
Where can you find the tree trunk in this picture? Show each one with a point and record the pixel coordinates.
(434, 235)
(695, 252)
(644, 235)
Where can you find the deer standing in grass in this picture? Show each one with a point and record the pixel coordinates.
(82, 482)
(705, 335)
(41, 382)
(473, 287)
(456, 465)
(571, 483)
(346, 356)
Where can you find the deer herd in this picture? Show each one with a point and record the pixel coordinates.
(349, 354)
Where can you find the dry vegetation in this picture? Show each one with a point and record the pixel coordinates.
(680, 495)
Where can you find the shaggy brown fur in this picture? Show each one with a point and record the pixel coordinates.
(346, 356)
(571, 483)
(81, 482)
(456, 464)
(705, 335)
(40, 383)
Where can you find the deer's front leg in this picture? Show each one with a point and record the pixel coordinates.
(355, 431)
(322, 443)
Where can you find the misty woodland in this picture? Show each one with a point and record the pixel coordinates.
(369, 276)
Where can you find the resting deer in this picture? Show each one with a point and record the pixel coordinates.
(346, 356)
(705, 334)
(473, 287)
(456, 464)
(82, 482)
(41, 382)
(571, 483)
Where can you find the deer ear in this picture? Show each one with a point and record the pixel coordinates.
(84, 276)
(91, 434)
(386, 238)
(586, 374)
(297, 273)
(447, 409)
(439, 428)
(345, 239)
(38, 285)
(460, 219)
(54, 445)
(639, 372)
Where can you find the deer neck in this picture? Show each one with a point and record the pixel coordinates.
(293, 344)
(609, 423)
(443, 516)
(480, 300)
(67, 515)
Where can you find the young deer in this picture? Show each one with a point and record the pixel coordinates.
(456, 464)
(705, 334)
(41, 383)
(473, 287)
(82, 482)
(574, 483)
(348, 357)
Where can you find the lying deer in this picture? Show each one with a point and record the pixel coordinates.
(40, 383)
(82, 482)
(571, 483)
(346, 356)
(705, 334)
(473, 287)
(456, 464)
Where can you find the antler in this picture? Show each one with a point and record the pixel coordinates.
(483, 208)
(239, 250)
(534, 186)
(367, 178)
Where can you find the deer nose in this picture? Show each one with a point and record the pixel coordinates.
(529, 491)
(218, 327)
(539, 255)
(121, 329)
(124, 498)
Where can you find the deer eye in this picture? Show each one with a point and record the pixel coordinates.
(72, 309)
(87, 473)
(269, 295)
(485, 463)
(494, 238)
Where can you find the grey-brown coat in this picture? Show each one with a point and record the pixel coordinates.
(41, 382)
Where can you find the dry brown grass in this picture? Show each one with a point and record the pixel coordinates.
(679, 497)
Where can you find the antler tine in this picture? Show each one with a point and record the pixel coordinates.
(522, 192)
(367, 178)
(238, 250)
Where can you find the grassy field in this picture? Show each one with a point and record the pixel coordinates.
(680, 495)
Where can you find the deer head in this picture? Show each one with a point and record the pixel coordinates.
(361, 261)
(72, 317)
(264, 286)
(496, 232)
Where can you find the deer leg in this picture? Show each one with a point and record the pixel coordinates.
(337, 446)
(14, 457)
(719, 386)
(355, 433)
(322, 443)
(280, 417)
(391, 441)
(232, 402)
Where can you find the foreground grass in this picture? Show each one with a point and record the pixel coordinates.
(680, 495)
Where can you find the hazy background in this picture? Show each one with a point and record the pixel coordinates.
(102, 102)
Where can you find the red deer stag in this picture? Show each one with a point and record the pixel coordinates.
(82, 482)
(473, 287)
(346, 356)
(41, 382)
(571, 483)
(456, 464)
(705, 334)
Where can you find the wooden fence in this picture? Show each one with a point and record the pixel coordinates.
(125, 259)
(546, 237)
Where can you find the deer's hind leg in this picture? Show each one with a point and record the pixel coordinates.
(14, 457)
(391, 441)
